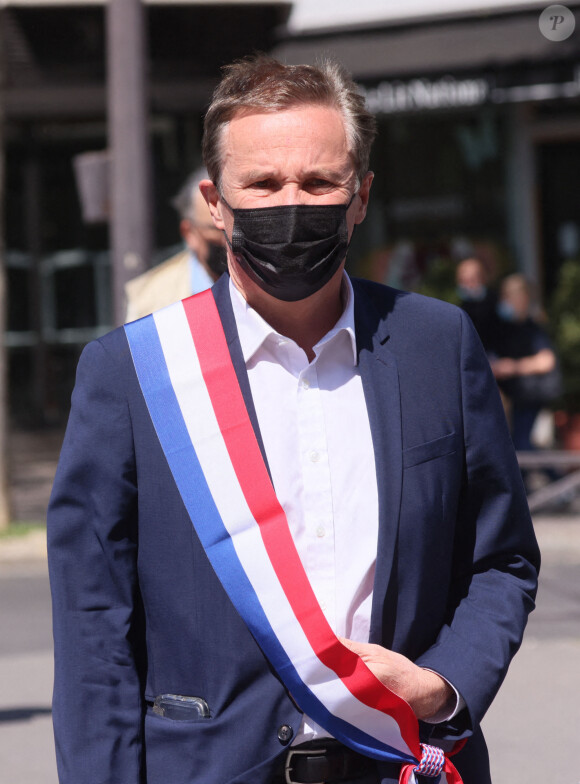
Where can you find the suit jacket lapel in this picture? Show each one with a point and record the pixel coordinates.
(380, 380)
(221, 293)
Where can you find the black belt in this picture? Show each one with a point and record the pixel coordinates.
(325, 761)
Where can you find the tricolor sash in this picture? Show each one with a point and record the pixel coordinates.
(191, 389)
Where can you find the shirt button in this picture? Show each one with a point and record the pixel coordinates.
(314, 456)
(320, 531)
(305, 383)
(285, 733)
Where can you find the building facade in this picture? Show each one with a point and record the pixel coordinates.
(478, 149)
(479, 135)
(58, 265)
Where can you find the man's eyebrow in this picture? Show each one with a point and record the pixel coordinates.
(322, 172)
(260, 174)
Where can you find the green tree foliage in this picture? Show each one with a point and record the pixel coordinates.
(564, 311)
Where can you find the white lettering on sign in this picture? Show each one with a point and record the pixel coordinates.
(420, 94)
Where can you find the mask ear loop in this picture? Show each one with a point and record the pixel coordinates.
(228, 205)
(352, 199)
(345, 211)
(231, 209)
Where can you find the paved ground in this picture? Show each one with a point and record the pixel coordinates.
(532, 727)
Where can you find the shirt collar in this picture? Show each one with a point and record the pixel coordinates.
(253, 331)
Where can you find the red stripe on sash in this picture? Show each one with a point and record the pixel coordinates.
(234, 422)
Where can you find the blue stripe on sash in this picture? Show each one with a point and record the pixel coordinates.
(179, 451)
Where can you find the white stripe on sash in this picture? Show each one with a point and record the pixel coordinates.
(203, 430)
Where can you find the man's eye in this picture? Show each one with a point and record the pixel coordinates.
(263, 184)
(319, 184)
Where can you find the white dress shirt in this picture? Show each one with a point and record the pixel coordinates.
(315, 427)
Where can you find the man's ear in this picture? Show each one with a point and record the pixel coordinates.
(211, 195)
(364, 193)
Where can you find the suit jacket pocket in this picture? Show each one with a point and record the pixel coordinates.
(439, 447)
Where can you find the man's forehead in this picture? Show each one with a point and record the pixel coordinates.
(249, 128)
(309, 138)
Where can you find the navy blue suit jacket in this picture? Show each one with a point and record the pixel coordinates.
(138, 611)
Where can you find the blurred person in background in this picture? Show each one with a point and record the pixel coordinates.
(194, 269)
(479, 300)
(525, 366)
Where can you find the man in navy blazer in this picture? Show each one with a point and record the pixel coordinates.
(451, 576)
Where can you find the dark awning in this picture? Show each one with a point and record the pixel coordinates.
(55, 60)
(474, 44)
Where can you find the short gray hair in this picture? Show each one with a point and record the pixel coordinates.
(183, 201)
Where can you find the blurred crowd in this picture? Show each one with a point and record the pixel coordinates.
(513, 330)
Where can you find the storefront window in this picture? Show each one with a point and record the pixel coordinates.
(438, 195)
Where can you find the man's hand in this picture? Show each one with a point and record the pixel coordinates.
(427, 693)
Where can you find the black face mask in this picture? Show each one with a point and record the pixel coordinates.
(217, 258)
(290, 251)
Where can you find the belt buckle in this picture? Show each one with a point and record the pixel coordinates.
(298, 752)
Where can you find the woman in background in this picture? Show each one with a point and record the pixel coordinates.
(526, 367)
